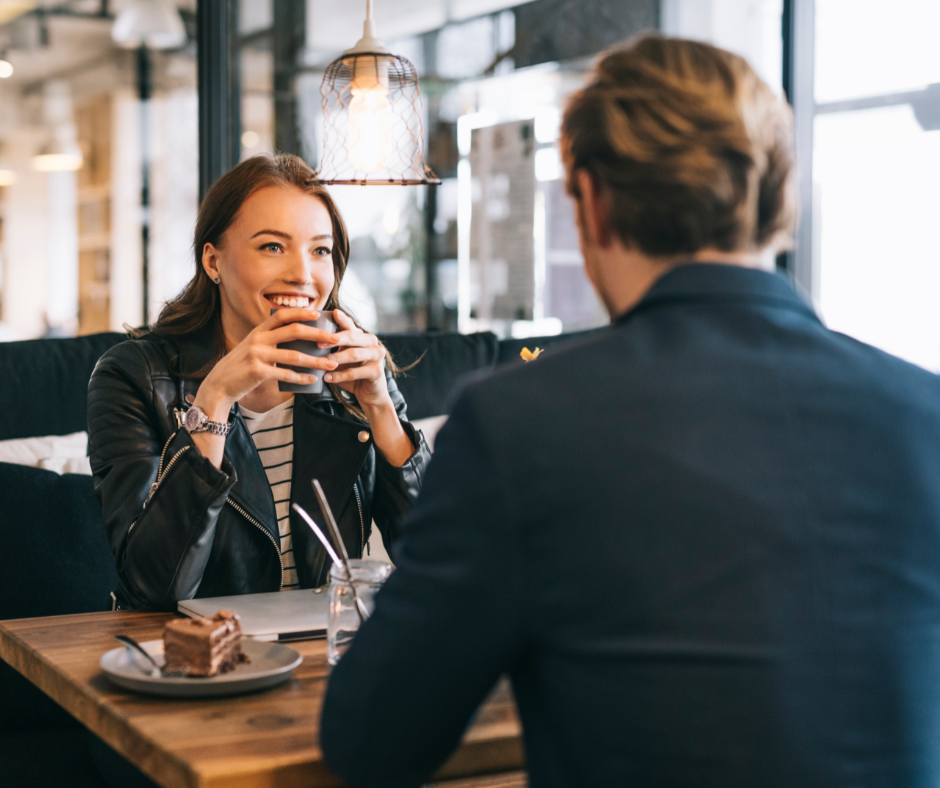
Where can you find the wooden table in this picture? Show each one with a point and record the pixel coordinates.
(269, 739)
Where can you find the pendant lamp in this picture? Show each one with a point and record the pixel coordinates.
(372, 129)
(153, 23)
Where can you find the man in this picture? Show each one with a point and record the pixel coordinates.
(705, 544)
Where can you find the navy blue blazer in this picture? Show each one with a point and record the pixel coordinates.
(704, 544)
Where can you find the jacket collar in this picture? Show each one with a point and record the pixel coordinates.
(189, 354)
(717, 283)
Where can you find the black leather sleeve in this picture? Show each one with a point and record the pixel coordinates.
(396, 489)
(159, 496)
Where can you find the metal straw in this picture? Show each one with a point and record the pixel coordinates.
(361, 609)
(330, 519)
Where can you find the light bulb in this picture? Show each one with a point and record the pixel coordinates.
(6, 68)
(370, 122)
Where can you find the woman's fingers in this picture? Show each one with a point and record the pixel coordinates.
(289, 376)
(295, 358)
(355, 338)
(294, 331)
(343, 320)
(358, 355)
(286, 315)
(370, 372)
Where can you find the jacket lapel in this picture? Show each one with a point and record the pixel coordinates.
(327, 448)
(251, 491)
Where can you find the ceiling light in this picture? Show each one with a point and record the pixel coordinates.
(7, 176)
(153, 23)
(6, 67)
(11, 9)
(372, 129)
(57, 156)
(60, 152)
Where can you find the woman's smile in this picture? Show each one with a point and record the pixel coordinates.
(293, 300)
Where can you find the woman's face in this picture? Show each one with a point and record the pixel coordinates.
(277, 252)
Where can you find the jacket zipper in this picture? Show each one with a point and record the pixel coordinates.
(265, 531)
(362, 522)
(161, 474)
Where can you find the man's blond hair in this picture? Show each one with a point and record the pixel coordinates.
(690, 148)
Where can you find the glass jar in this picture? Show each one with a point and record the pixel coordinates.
(343, 618)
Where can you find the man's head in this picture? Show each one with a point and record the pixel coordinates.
(675, 148)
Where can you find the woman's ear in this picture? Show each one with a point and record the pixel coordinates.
(210, 262)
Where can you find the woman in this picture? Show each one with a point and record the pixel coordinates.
(196, 454)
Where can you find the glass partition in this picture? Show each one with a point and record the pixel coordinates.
(876, 162)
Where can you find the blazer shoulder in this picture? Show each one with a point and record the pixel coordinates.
(555, 363)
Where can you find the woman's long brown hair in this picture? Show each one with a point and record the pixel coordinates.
(199, 307)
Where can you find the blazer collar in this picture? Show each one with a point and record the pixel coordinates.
(718, 283)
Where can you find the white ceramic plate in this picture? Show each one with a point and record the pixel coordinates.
(270, 664)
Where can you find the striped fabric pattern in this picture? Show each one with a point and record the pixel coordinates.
(273, 434)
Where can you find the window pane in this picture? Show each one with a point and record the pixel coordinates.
(877, 206)
(870, 47)
(750, 28)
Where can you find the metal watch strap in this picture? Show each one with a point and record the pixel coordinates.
(194, 420)
(215, 427)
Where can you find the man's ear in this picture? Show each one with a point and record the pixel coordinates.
(595, 219)
(210, 261)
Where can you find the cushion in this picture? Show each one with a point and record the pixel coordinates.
(45, 384)
(55, 560)
(58, 453)
(445, 359)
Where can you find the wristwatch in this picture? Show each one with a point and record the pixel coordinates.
(195, 420)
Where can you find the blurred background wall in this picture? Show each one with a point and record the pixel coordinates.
(494, 246)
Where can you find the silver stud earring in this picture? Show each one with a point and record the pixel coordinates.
(216, 279)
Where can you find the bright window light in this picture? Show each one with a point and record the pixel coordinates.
(473, 120)
(547, 124)
(547, 164)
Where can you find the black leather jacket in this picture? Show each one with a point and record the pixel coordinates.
(181, 528)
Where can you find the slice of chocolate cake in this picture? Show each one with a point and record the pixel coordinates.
(203, 646)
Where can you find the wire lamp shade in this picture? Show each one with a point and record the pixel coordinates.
(372, 129)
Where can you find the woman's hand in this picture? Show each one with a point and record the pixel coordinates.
(361, 372)
(360, 359)
(253, 361)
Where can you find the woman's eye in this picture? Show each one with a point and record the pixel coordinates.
(323, 251)
(272, 247)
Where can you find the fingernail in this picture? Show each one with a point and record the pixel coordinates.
(328, 377)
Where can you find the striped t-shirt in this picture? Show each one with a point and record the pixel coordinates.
(273, 434)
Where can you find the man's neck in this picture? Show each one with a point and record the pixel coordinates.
(626, 275)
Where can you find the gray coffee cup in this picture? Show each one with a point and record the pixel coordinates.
(325, 323)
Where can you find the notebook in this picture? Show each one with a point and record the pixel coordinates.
(279, 615)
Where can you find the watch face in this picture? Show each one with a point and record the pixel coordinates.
(192, 418)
